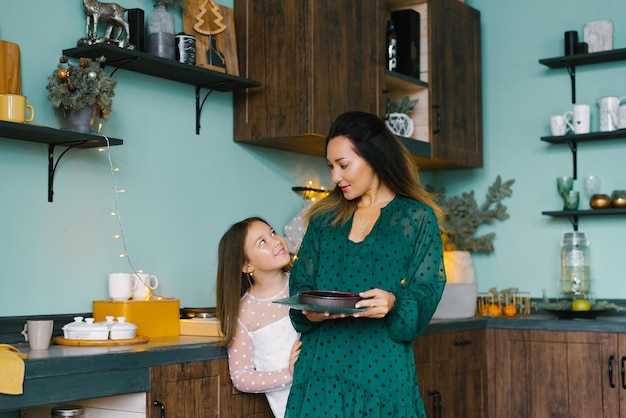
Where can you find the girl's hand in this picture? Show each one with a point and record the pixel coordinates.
(295, 353)
(379, 302)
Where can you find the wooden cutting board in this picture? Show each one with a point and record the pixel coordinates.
(10, 68)
(60, 340)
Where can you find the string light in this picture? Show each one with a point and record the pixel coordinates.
(116, 213)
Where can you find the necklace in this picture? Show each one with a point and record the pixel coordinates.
(363, 227)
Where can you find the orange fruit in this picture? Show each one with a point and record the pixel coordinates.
(494, 310)
(509, 309)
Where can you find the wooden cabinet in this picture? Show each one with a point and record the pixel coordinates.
(452, 374)
(201, 389)
(557, 374)
(318, 59)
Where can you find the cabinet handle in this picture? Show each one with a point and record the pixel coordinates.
(160, 405)
(437, 119)
(623, 373)
(436, 402)
(611, 360)
(388, 110)
(462, 343)
(439, 405)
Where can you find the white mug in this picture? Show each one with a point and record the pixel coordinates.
(121, 286)
(38, 333)
(558, 127)
(144, 285)
(609, 108)
(580, 118)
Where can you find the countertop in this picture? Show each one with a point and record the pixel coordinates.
(66, 373)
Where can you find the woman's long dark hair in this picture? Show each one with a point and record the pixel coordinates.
(388, 157)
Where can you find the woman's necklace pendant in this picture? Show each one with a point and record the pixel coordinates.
(362, 228)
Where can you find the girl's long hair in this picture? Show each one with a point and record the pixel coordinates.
(232, 283)
(388, 157)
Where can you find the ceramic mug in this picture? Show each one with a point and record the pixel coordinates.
(38, 334)
(121, 286)
(578, 119)
(13, 108)
(144, 285)
(558, 127)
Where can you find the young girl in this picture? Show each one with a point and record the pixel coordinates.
(263, 346)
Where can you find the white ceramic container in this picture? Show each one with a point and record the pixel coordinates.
(85, 330)
(122, 330)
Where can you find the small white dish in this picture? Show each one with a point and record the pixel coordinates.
(85, 330)
(122, 330)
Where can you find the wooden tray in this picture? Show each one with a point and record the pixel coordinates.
(100, 343)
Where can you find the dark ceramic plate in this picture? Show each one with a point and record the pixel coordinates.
(294, 303)
(568, 314)
(329, 298)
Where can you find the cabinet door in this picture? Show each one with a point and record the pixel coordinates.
(201, 389)
(315, 60)
(452, 374)
(553, 374)
(455, 83)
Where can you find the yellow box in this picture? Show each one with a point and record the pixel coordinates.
(154, 318)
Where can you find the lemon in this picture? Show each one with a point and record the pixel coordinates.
(581, 305)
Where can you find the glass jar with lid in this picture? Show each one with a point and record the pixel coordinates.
(575, 266)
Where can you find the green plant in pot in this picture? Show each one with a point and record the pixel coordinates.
(460, 238)
(83, 88)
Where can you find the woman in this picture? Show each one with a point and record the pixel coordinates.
(263, 346)
(376, 234)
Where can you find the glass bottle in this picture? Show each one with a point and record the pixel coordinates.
(160, 40)
(392, 46)
(575, 271)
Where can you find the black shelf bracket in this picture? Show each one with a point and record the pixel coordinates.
(52, 165)
(574, 147)
(572, 76)
(199, 106)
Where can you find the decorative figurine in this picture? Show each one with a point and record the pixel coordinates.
(113, 15)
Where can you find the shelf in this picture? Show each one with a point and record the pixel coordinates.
(574, 139)
(149, 64)
(573, 215)
(570, 62)
(398, 81)
(53, 137)
(144, 63)
(585, 59)
(593, 136)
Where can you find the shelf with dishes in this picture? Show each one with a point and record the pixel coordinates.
(54, 137)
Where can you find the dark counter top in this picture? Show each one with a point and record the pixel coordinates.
(68, 373)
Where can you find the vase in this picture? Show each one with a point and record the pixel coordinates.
(81, 120)
(459, 267)
(160, 33)
(400, 124)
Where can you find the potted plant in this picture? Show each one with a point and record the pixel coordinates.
(81, 89)
(399, 121)
(459, 237)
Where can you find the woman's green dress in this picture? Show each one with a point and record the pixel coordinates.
(360, 367)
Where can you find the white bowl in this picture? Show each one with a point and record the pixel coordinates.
(87, 330)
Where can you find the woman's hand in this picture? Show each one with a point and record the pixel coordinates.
(379, 302)
(295, 353)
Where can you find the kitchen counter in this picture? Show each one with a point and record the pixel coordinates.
(67, 373)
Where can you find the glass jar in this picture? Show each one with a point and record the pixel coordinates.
(575, 271)
(160, 33)
(67, 411)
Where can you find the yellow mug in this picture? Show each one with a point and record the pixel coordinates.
(13, 108)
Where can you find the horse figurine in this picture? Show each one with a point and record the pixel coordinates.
(113, 14)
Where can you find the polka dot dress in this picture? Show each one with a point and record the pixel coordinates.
(361, 367)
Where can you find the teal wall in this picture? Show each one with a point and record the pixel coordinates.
(184, 190)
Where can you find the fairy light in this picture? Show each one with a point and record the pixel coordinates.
(116, 212)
